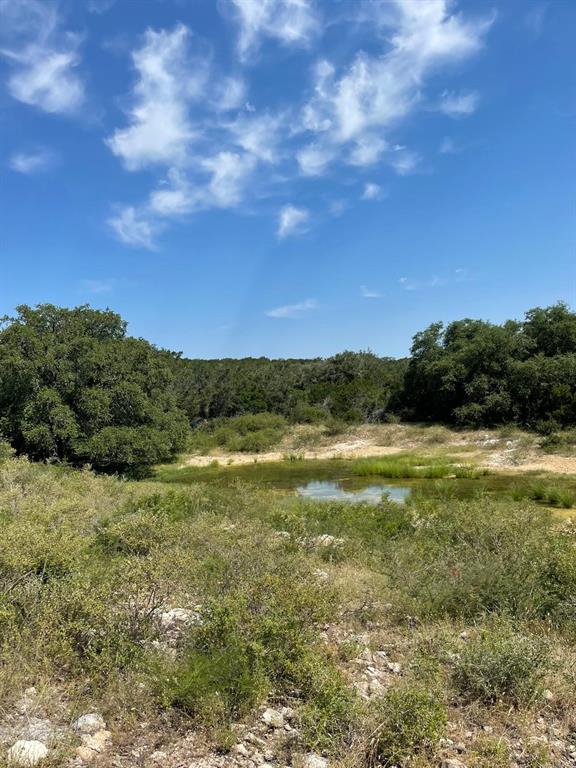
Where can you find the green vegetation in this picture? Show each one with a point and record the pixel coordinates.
(90, 564)
(74, 388)
(474, 372)
(557, 494)
(411, 721)
(409, 465)
(501, 664)
(251, 433)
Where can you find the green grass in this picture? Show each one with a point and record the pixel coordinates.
(408, 466)
(559, 493)
(87, 562)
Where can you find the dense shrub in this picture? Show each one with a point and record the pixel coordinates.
(499, 663)
(411, 721)
(472, 557)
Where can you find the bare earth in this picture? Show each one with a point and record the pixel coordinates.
(516, 453)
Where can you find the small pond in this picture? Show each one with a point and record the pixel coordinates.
(329, 480)
(329, 490)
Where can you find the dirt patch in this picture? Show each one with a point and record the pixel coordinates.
(352, 449)
(489, 448)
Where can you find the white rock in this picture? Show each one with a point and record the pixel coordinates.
(27, 753)
(394, 667)
(158, 756)
(273, 718)
(451, 762)
(314, 761)
(89, 723)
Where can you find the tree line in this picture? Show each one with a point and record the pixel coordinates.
(75, 388)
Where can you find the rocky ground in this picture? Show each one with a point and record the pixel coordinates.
(373, 661)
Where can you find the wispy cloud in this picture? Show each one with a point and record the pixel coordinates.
(354, 108)
(292, 221)
(290, 22)
(459, 104)
(97, 286)
(436, 281)
(368, 293)
(32, 162)
(448, 147)
(535, 19)
(197, 128)
(292, 310)
(372, 191)
(99, 6)
(133, 228)
(43, 58)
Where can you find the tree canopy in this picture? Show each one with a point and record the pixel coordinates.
(75, 388)
(479, 373)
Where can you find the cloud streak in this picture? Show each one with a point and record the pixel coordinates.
(292, 310)
(29, 163)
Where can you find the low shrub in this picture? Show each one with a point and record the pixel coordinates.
(411, 721)
(501, 664)
(467, 558)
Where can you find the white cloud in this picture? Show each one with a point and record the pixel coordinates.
(459, 104)
(291, 22)
(436, 281)
(229, 174)
(99, 6)
(43, 58)
(230, 93)
(368, 293)
(175, 196)
(372, 191)
(214, 149)
(375, 92)
(160, 130)
(32, 162)
(258, 134)
(314, 159)
(292, 220)
(97, 286)
(367, 150)
(404, 161)
(133, 228)
(292, 310)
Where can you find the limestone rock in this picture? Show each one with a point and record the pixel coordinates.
(89, 723)
(27, 753)
(314, 761)
(273, 718)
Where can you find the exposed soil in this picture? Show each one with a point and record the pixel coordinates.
(517, 453)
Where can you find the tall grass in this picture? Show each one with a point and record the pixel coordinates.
(406, 466)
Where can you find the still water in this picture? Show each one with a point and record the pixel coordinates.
(326, 490)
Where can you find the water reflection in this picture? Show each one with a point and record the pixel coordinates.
(326, 490)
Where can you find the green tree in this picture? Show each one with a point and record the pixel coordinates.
(75, 388)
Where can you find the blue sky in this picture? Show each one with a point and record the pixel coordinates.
(288, 177)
